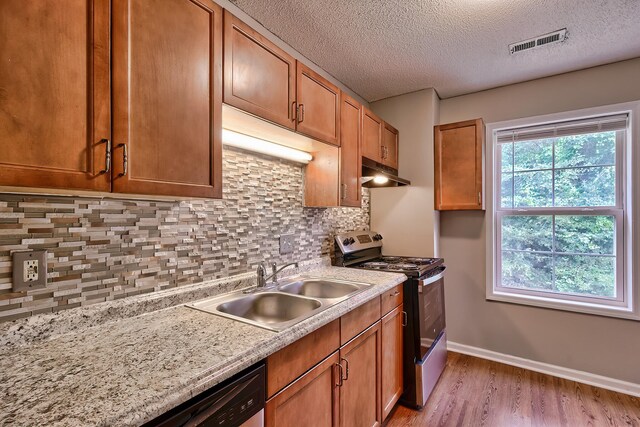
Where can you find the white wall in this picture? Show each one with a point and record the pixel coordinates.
(595, 344)
(404, 215)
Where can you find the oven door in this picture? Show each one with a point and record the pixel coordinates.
(430, 310)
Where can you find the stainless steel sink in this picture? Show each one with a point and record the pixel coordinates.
(269, 308)
(281, 306)
(322, 288)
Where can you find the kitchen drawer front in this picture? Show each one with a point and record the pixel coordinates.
(297, 358)
(391, 299)
(359, 319)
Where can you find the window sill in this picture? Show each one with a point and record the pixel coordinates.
(572, 306)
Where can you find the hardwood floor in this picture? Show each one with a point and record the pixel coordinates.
(478, 392)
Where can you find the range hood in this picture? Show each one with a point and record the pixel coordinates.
(375, 175)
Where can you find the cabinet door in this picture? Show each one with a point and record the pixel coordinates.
(390, 146)
(360, 404)
(371, 135)
(259, 77)
(167, 96)
(350, 160)
(312, 400)
(391, 338)
(318, 106)
(54, 93)
(459, 165)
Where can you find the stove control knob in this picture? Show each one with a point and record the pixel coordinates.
(347, 241)
(351, 240)
(377, 237)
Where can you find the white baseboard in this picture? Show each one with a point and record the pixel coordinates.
(612, 384)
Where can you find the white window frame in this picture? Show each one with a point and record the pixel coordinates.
(625, 305)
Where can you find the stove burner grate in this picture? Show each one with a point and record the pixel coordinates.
(375, 264)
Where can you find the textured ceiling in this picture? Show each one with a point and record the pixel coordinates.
(382, 48)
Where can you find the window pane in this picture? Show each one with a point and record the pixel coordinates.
(530, 155)
(587, 275)
(533, 189)
(506, 190)
(506, 157)
(527, 233)
(527, 270)
(590, 186)
(585, 234)
(586, 150)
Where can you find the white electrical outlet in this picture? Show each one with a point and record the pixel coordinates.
(30, 270)
(287, 242)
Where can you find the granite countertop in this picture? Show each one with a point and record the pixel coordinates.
(126, 366)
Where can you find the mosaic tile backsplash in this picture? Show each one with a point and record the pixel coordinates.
(106, 249)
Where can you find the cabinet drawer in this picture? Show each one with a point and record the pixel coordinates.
(359, 319)
(391, 299)
(297, 358)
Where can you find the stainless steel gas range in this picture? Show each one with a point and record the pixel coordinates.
(425, 336)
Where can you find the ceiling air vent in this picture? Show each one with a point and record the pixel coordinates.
(555, 37)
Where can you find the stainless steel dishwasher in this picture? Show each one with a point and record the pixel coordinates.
(238, 401)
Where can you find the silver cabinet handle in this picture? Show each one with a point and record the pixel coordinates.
(340, 376)
(300, 113)
(346, 377)
(294, 111)
(125, 159)
(395, 293)
(107, 160)
(405, 319)
(344, 191)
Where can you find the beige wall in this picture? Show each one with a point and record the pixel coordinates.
(405, 215)
(599, 345)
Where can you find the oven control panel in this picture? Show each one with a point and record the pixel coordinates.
(358, 240)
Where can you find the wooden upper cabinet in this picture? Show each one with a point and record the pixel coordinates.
(371, 135)
(391, 330)
(167, 97)
(360, 403)
(389, 146)
(54, 94)
(350, 160)
(318, 106)
(259, 77)
(459, 166)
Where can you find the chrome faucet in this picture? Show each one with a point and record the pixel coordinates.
(262, 273)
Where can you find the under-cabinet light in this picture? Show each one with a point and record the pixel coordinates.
(262, 146)
(380, 179)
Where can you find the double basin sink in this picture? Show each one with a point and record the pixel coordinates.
(283, 305)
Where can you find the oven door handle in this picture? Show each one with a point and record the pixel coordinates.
(432, 279)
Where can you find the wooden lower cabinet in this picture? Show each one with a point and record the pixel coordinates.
(360, 390)
(391, 327)
(312, 400)
(357, 385)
